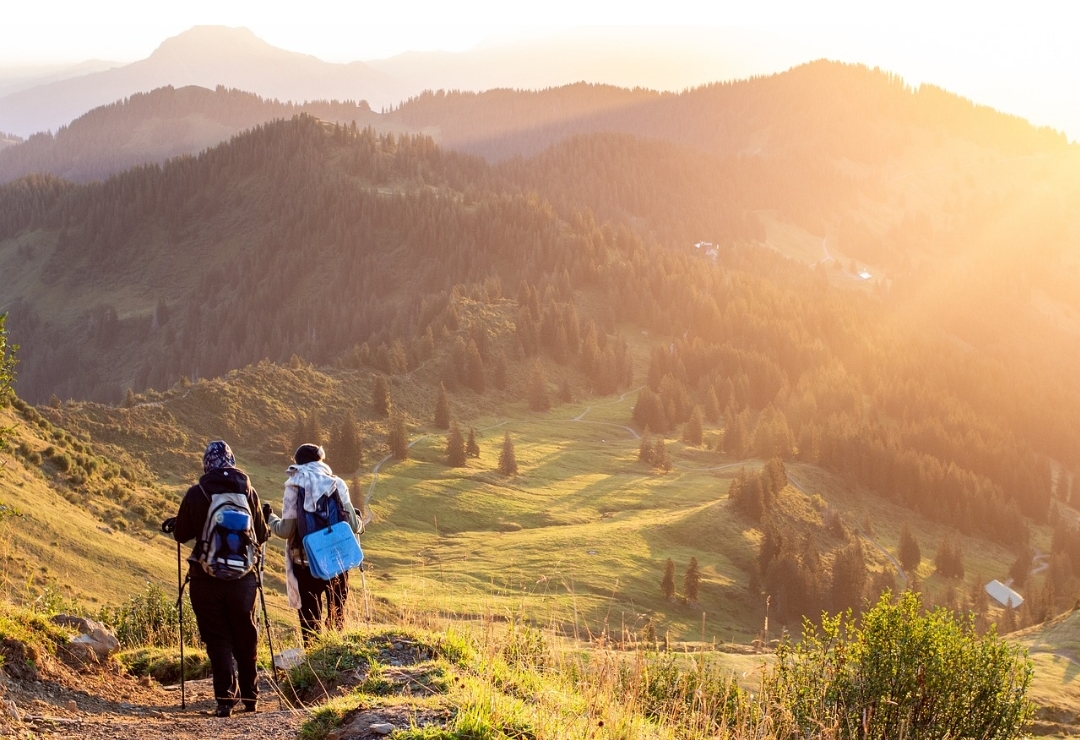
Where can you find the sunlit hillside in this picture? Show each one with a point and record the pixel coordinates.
(728, 358)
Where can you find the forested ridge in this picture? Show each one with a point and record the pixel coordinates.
(151, 127)
(342, 245)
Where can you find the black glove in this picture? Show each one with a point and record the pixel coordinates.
(168, 525)
(268, 510)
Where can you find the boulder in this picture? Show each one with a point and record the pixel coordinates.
(93, 635)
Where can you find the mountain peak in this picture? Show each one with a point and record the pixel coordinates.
(201, 39)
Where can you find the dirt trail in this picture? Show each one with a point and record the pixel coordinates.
(111, 706)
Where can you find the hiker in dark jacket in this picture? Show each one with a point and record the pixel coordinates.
(224, 609)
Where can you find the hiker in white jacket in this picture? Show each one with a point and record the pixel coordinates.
(310, 479)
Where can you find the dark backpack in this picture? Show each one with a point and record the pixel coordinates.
(328, 512)
(227, 546)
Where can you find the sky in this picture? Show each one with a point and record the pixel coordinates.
(1019, 58)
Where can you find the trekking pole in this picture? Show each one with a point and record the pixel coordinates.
(180, 610)
(167, 527)
(266, 620)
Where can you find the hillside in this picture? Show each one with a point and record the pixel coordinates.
(149, 128)
(191, 300)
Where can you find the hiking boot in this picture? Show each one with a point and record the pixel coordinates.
(223, 710)
(250, 705)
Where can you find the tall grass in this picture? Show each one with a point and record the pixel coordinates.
(151, 619)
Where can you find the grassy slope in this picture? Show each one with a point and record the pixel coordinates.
(578, 538)
(56, 543)
(576, 541)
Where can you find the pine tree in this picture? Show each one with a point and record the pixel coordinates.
(455, 447)
(910, 555)
(398, 439)
(347, 454)
(538, 392)
(1007, 623)
(661, 460)
(667, 584)
(712, 405)
(566, 394)
(645, 450)
(380, 397)
(299, 436)
(507, 460)
(442, 409)
(1021, 567)
(692, 430)
(472, 449)
(692, 581)
(949, 560)
(313, 431)
(474, 368)
(848, 578)
(500, 371)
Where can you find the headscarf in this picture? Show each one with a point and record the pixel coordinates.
(217, 455)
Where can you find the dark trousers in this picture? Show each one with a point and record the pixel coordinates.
(312, 590)
(225, 613)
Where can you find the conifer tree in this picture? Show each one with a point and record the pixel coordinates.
(712, 405)
(299, 435)
(692, 580)
(667, 583)
(692, 430)
(661, 460)
(507, 459)
(313, 431)
(949, 560)
(346, 451)
(645, 450)
(474, 368)
(455, 447)
(442, 408)
(499, 372)
(380, 397)
(398, 439)
(1021, 567)
(848, 578)
(910, 555)
(1007, 622)
(538, 392)
(472, 449)
(566, 394)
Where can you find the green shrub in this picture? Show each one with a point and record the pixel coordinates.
(150, 619)
(902, 674)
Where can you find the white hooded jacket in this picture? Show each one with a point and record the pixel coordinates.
(307, 484)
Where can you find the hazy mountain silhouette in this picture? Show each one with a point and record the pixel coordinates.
(14, 79)
(151, 127)
(207, 56)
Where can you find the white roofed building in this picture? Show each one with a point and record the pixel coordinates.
(1004, 595)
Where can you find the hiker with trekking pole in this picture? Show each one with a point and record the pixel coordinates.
(321, 526)
(222, 514)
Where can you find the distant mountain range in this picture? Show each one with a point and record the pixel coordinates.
(206, 56)
(35, 100)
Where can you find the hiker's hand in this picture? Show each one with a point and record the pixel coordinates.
(268, 511)
(168, 525)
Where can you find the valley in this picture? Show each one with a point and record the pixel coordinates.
(872, 346)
